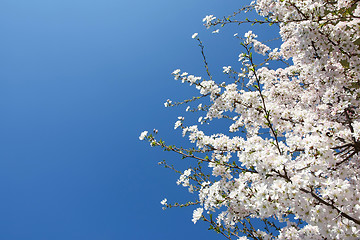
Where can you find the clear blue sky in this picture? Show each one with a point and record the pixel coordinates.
(79, 81)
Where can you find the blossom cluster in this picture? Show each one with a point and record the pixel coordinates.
(297, 167)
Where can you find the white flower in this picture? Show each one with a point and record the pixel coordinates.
(226, 69)
(184, 178)
(143, 135)
(216, 31)
(208, 20)
(167, 103)
(241, 56)
(175, 72)
(194, 35)
(187, 172)
(197, 214)
(250, 34)
(177, 124)
(164, 202)
(242, 238)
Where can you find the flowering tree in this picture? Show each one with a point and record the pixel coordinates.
(289, 168)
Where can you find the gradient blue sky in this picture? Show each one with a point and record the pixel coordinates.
(79, 81)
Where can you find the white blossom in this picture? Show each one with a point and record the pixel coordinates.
(167, 103)
(227, 69)
(207, 19)
(143, 135)
(197, 214)
(164, 202)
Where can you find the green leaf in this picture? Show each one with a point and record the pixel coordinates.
(357, 42)
(345, 63)
(355, 85)
(351, 9)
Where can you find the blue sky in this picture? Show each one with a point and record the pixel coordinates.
(79, 81)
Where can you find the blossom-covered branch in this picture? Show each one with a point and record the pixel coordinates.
(290, 160)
